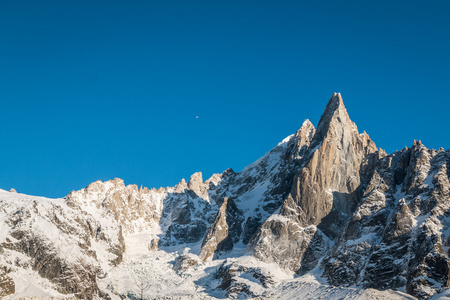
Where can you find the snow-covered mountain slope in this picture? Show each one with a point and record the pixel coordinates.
(46, 238)
(324, 214)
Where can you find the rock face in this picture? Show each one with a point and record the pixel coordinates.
(397, 238)
(230, 272)
(184, 262)
(217, 233)
(220, 234)
(131, 207)
(323, 198)
(328, 187)
(57, 242)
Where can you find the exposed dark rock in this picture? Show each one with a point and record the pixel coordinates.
(230, 272)
(185, 261)
(7, 286)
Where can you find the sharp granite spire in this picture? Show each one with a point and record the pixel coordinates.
(324, 193)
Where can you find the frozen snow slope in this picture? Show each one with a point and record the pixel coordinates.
(324, 214)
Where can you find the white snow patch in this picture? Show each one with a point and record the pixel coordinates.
(278, 218)
(251, 200)
(285, 140)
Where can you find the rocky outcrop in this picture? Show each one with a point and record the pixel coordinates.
(77, 278)
(185, 218)
(293, 247)
(217, 233)
(7, 286)
(231, 274)
(132, 207)
(185, 261)
(153, 246)
(196, 185)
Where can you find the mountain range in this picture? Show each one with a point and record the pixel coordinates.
(324, 214)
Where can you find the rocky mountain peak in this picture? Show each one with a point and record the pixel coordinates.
(181, 186)
(197, 185)
(306, 131)
(334, 104)
(301, 140)
(195, 181)
(324, 193)
(334, 119)
(329, 184)
(102, 187)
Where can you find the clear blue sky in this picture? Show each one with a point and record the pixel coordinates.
(101, 89)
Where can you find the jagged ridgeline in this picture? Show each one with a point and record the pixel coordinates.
(324, 203)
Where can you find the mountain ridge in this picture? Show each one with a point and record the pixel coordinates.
(325, 202)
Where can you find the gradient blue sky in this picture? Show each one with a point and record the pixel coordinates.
(101, 89)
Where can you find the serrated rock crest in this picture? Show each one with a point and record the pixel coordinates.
(323, 198)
